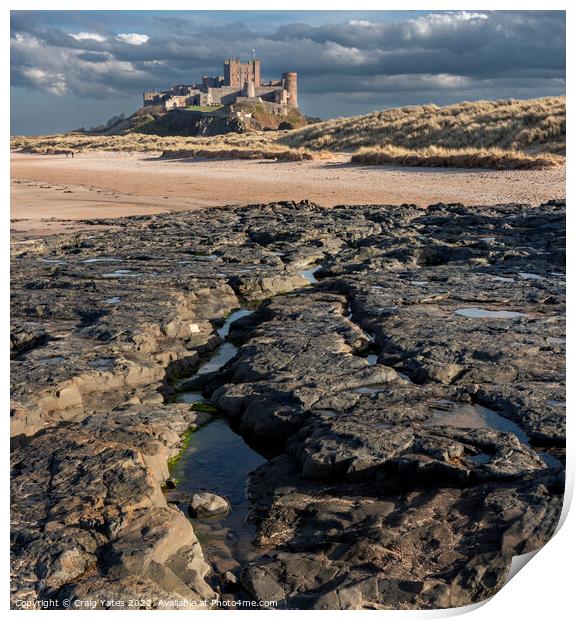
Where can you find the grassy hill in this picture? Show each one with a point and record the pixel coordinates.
(532, 125)
(195, 121)
(508, 134)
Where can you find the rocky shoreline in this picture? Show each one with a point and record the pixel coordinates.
(403, 368)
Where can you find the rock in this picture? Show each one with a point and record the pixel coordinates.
(412, 401)
(119, 462)
(208, 505)
(230, 579)
(26, 338)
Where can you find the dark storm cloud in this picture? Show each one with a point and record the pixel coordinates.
(433, 57)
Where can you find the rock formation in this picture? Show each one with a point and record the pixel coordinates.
(410, 392)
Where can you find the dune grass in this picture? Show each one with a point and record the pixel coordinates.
(438, 157)
(516, 125)
(511, 134)
(138, 142)
(256, 145)
(270, 152)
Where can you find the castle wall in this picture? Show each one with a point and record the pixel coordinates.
(273, 94)
(225, 95)
(177, 101)
(153, 98)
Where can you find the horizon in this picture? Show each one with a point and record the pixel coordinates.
(83, 67)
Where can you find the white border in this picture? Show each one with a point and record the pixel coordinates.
(543, 588)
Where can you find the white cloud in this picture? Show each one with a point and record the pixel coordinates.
(50, 82)
(438, 23)
(343, 55)
(361, 22)
(133, 38)
(88, 36)
(465, 16)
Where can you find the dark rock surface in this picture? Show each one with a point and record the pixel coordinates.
(413, 397)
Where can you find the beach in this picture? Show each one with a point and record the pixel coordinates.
(52, 193)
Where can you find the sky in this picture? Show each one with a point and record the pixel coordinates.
(71, 69)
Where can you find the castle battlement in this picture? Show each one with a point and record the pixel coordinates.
(241, 81)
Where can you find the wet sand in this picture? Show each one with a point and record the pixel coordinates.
(50, 193)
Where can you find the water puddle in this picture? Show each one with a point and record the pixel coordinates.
(224, 353)
(218, 461)
(309, 274)
(557, 403)
(102, 259)
(370, 389)
(448, 413)
(53, 361)
(530, 276)
(103, 363)
(481, 313)
(372, 358)
(404, 376)
(234, 316)
(227, 350)
(478, 459)
(121, 273)
(220, 356)
(549, 459)
(112, 300)
(189, 397)
(502, 279)
(55, 261)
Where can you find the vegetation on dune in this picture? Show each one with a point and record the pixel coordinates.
(438, 157)
(270, 152)
(138, 142)
(489, 134)
(259, 145)
(535, 124)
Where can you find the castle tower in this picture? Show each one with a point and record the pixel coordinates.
(232, 72)
(290, 81)
(249, 90)
(237, 73)
(255, 71)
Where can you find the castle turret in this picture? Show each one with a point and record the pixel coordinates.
(291, 86)
(249, 90)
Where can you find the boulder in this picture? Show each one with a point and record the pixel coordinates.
(208, 505)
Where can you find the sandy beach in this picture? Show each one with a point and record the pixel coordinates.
(50, 193)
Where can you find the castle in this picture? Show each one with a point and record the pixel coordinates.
(241, 83)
